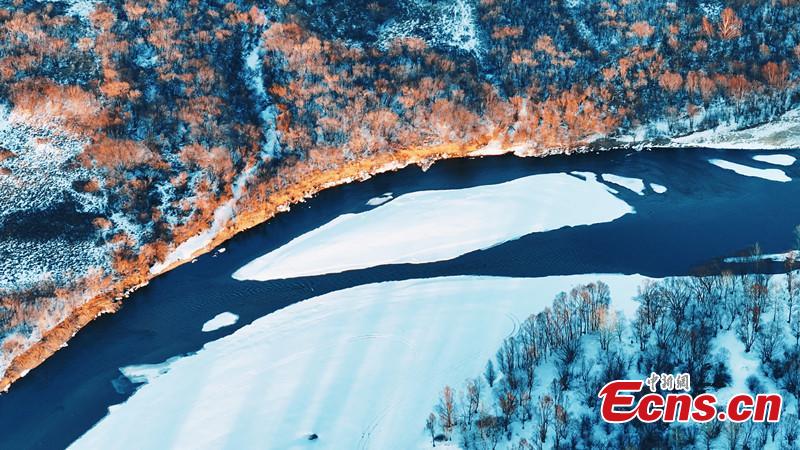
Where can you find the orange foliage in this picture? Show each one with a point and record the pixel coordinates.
(117, 154)
(707, 28)
(776, 74)
(730, 26)
(670, 81)
(506, 32)
(216, 160)
(115, 88)
(70, 106)
(102, 17)
(700, 46)
(642, 29)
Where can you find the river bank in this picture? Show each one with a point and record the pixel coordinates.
(253, 215)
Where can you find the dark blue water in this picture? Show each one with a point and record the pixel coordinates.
(706, 214)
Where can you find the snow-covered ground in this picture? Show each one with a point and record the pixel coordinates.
(741, 169)
(449, 23)
(219, 321)
(783, 133)
(429, 226)
(776, 257)
(361, 367)
(37, 175)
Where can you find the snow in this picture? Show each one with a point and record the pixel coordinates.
(741, 169)
(632, 184)
(377, 201)
(81, 8)
(657, 188)
(783, 133)
(445, 24)
(221, 320)
(361, 367)
(778, 160)
(776, 257)
(145, 373)
(430, 226)
(41, 172)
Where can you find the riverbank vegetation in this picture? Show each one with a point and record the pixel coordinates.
(160, 121)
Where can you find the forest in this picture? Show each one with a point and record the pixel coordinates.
(541, 388)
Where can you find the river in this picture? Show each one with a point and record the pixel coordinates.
(707, 213)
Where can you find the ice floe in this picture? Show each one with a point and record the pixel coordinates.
(632, 184)
(377, 201)
(430, 226)
(219, 321)
(657, 188)
(360, 368)
(778, 160)
(741, 169)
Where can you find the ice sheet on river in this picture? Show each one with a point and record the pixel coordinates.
(429, 226)
(741, 169)
(361, 367)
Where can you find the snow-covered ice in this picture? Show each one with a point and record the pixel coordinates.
(741, 169)
(429, 226)
(219, 321)
(632, 184)
(778, 160)
(361, 367)
(657, 188)
(377, 201)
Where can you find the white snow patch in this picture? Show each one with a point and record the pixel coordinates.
(377, 201)
(429, 226)
(657, 188)
(778, 160)
(741, 169)
(776, 257)
(82, 8)
(361, 367)
(452, 24)
(783, 133)
(632, 184)
(221, 320)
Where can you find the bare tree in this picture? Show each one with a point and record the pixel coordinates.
(769, 340)
(472, 401)
(791, 285)
(561, 425)
(447, 410)
(489, 373)
(607, 324)
(507, 359)
(733, 432)
(544, 413)
(430, 426)
(795, 327)
(619, 325)
(508, 405)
